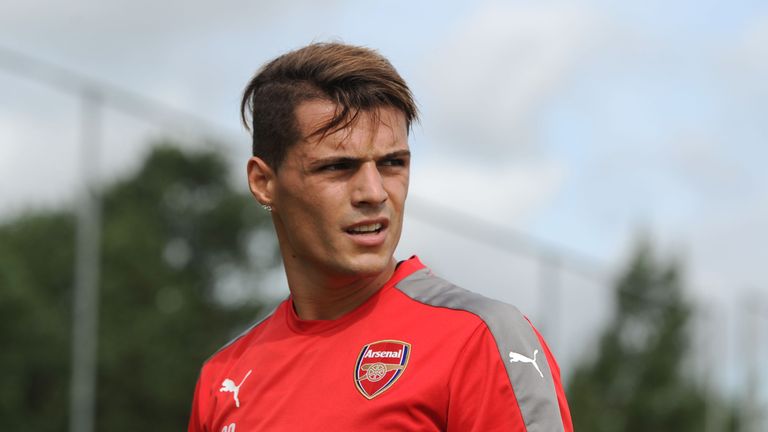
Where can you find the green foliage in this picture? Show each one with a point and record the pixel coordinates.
(35, 292)
(170, 233)
(638, 380)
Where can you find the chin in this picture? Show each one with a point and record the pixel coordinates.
(365, 264)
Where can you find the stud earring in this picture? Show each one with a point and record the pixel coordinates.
(267, 207)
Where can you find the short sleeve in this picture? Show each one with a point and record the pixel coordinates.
(562, 403)
(482, 397)
(195, 418)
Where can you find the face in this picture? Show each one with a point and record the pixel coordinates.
(338, 201)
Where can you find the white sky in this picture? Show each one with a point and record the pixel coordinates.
(581, 123)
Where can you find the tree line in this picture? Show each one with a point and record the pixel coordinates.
(176, 228)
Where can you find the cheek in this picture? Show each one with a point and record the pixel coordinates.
(313, 212)
(397, 188)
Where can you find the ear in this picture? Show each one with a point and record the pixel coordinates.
(261, 180)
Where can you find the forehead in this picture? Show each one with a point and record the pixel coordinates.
(374, 132)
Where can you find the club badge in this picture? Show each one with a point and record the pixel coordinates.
(379, 365)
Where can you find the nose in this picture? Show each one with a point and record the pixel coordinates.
(368, 186)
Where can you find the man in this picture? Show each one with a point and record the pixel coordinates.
(363, 342)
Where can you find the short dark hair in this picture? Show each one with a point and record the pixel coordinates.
(355, 78)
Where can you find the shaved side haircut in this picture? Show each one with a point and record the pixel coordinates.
(352, 77)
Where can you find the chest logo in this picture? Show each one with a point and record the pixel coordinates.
(229, 386)
(515, 357)
(379, 365)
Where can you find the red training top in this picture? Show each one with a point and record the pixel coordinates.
(420, 355)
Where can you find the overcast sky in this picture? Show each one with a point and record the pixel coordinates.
(580, 123)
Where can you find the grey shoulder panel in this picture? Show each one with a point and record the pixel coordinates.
(518, 345)
(245, 332)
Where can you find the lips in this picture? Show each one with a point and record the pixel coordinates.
(367, 227)
(368, 233)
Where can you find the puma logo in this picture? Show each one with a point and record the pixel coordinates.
(229, 386)
(515, 357)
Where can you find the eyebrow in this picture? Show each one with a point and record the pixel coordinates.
(345, 159)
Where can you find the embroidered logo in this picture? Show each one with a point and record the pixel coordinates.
(229, 386)
(379, 365)
(515, 357)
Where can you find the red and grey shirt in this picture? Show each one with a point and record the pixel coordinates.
(419, 355)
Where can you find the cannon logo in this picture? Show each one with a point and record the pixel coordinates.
(379, 365)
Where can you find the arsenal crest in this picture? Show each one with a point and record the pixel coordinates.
(379, 365)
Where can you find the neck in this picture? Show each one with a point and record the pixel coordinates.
(320, 296)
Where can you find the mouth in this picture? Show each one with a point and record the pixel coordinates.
(366, 229)
(369, 232)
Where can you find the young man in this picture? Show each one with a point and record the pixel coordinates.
(363, 342)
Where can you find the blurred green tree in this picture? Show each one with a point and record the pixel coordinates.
(173, 234)
(638, 380)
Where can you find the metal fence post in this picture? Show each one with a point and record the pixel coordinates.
(87, 262)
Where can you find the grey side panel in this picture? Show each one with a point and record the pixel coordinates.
(535, 394)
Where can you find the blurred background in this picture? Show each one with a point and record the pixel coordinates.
(598, 164)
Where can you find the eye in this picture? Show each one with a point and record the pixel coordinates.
(337, 166)
(393, 162)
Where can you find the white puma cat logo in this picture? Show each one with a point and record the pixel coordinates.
(229, 386)
(515, 357)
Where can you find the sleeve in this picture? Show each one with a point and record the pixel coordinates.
(562, 403)
(195, 417)
(483, 396)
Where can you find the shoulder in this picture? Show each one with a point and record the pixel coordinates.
(511, 329)
(530, 369)
(501, 318)
(237, 345)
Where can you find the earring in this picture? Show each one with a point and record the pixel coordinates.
(267, 207)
